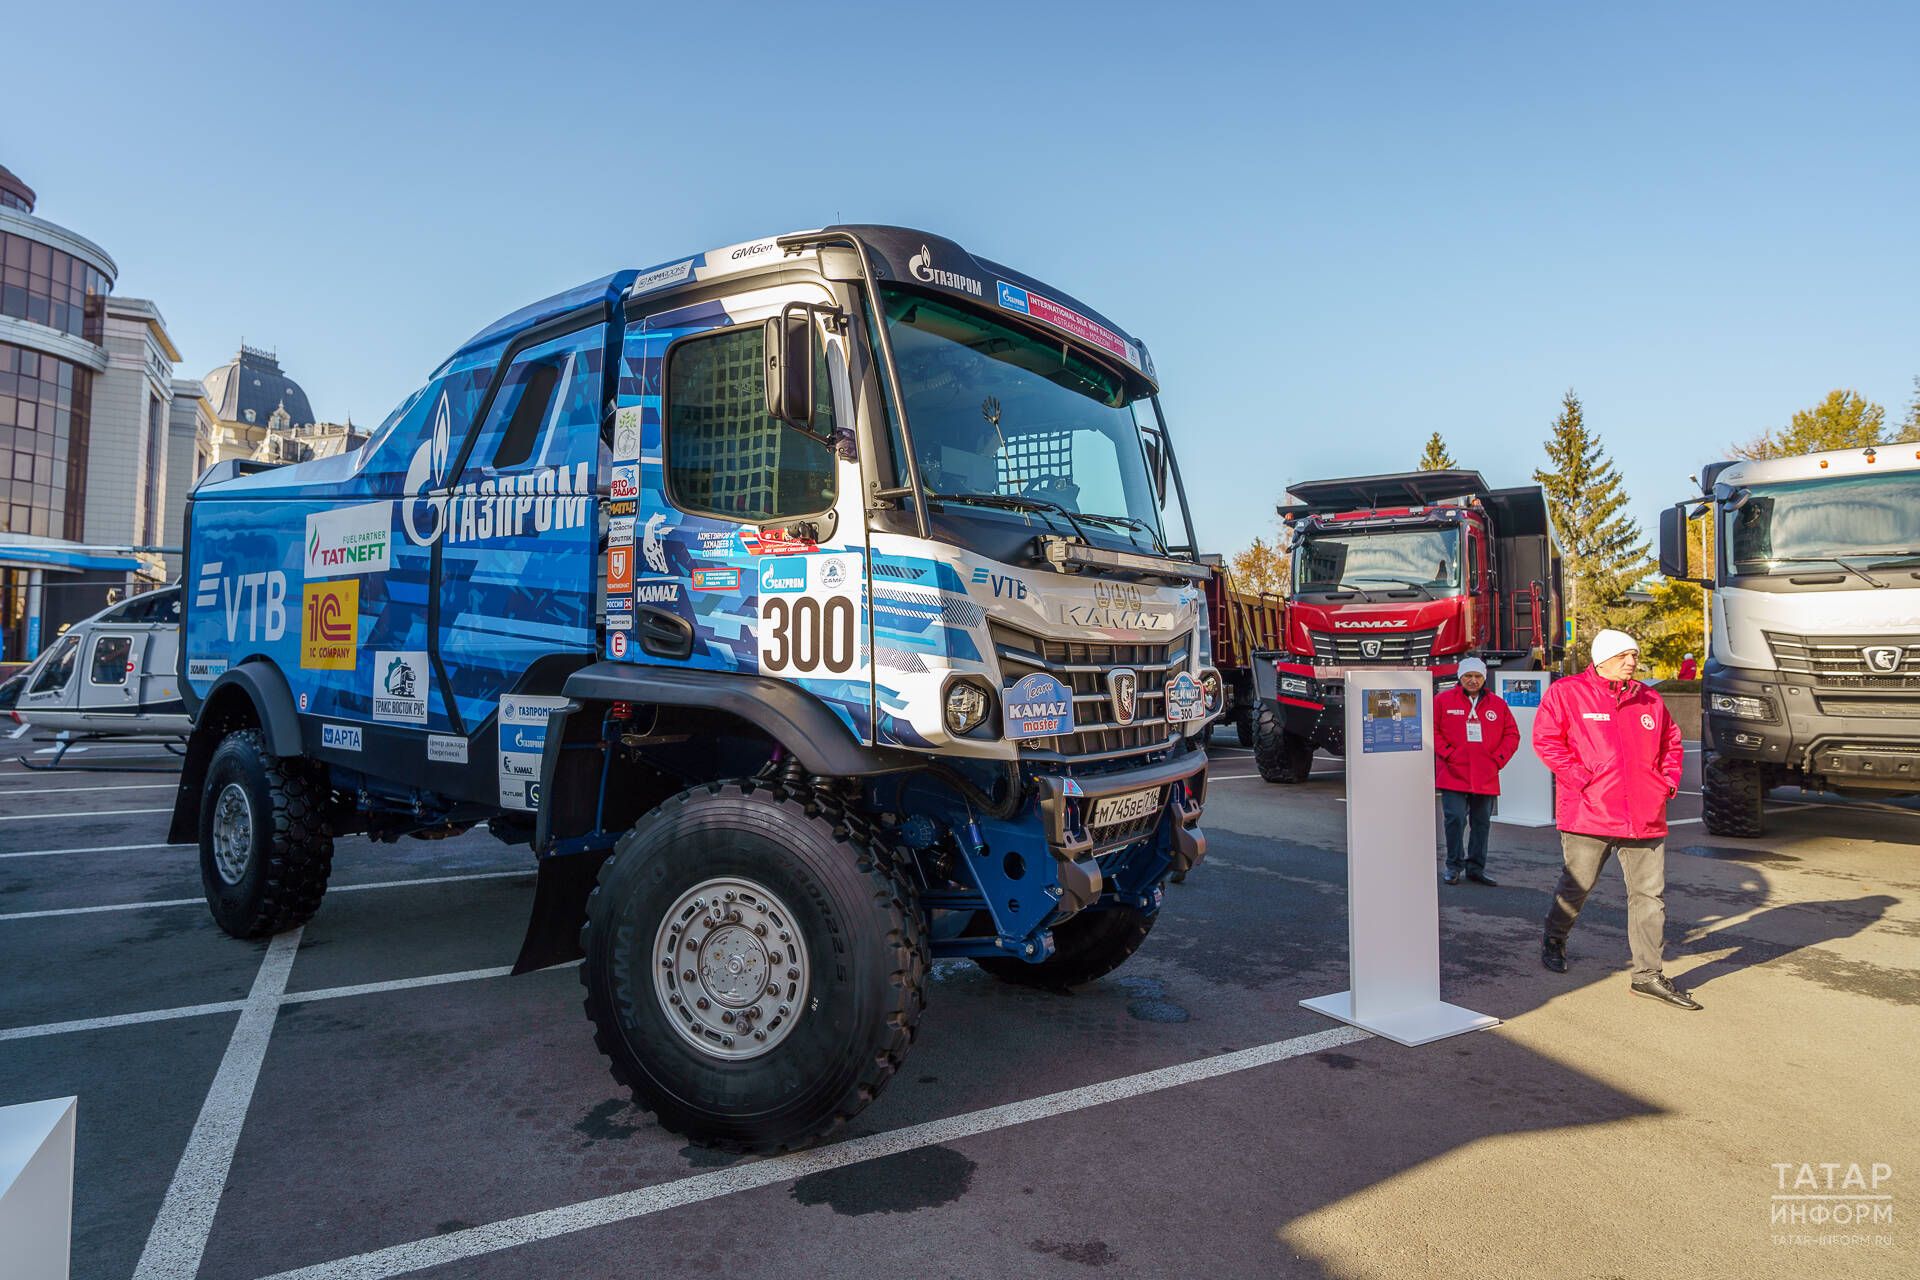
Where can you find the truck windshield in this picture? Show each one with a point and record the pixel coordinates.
(1384, 560)
(1859, 522)
(1020, 423)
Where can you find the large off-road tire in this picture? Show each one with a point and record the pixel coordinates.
(807, 953)
(1731, 796)
(265, 846)
(1243, 726)
(1280, 756)
(1090, 945)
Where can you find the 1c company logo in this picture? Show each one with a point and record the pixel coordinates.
(329, 626)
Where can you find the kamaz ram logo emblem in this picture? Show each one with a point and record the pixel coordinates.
(1123, 687)
(1883, 659)
(1369, 648)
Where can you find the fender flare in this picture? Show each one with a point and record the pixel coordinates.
(788, 714)
(266, 689)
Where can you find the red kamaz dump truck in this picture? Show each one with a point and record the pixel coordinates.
(1419, 569)
(1241, 623)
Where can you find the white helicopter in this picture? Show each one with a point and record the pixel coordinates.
(113, 676)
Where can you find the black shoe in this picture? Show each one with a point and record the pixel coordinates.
(1553, 954)
(1661, 988)
(1481, 877)
(1452, 877)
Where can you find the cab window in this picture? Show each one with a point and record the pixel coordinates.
(59, 668)
(725, 455)
(110, 655)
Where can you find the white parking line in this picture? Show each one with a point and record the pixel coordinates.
(190, 902)
(473, 1242)
(179, 1235)
(125, 786)
(98, 813)
(95, 848)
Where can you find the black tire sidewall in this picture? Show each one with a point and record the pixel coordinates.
(237, 907)
(795, 1087)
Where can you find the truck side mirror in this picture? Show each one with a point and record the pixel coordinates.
(1673, 541)
(789, 367)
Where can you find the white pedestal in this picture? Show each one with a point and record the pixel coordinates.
(1526, 785)
(36, 1188)
(1393, 899)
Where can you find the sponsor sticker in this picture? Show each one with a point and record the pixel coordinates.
(303, 702)
(657, 591)
(625, 484)
(619, 622)
(330, 626)
(1184, 699)
(617, 644)
(716, 579)
(206, 668)
(783, 575)
(1038, 706)
(653, 542)
(620, 531)
(661, 277)
(351, 540)
(620, 568)
(626, 434)
(446, 749)
(775, 542)
(624, 507)
(400, 686)
(1067, 320)
(340, 737)
(523, 737)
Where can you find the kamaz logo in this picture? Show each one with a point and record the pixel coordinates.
(1382, 624)
(260, 593)
(1369, 648)
(1883, 659)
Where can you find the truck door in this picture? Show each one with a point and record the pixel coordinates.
(744, 534)
(515, 580)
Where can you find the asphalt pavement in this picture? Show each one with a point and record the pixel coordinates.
(375, 1096)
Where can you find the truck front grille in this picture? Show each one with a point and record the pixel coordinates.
(1848, 662)
(1082, 666)
(1396, 648)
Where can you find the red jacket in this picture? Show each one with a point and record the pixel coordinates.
(1615, 752)
(1463, 765)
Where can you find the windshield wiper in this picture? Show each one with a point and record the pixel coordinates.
(1131, 522)
(1854, 569)
(1011, 502)
(1408, 584)
(1900, 560)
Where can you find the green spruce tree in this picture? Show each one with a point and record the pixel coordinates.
(1604, 551)
(1436, 457)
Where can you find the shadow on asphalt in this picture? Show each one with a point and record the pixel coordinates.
(1782, 931)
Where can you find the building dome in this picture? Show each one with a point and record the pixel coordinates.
(250, 387)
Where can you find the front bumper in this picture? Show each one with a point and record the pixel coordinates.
(1067, 803)
(1842, 737)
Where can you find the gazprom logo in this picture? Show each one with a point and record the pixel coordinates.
(783, 574)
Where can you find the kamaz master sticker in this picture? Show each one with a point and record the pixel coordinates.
(1038, 706)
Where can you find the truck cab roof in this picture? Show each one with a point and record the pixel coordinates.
(1811, 466)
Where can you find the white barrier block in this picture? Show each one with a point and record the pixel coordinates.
(1393, 899)
(36, 1188)
(1526, 784)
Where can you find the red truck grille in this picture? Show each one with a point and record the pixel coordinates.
(1356, 648)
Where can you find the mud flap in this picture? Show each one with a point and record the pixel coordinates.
(560, 894)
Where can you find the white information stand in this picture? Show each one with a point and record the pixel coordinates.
(36, 1189)
(1393, 900)
(1526, 785)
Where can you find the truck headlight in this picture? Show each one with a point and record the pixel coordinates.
(967, 706)
(1210, 689)
(1295, 684)
(1741, 706)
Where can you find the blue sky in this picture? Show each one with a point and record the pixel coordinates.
(1339, 227)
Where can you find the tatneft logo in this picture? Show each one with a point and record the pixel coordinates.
(351, 541)
(783, 575)
(920, 267)
(498, 507)
(262, 596)
(340, 737)
(1831, 1202)
(1370, 624)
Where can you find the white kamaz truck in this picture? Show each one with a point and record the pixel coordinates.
(1813, 658)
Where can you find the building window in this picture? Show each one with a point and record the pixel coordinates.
(44, 285)
(45, 407)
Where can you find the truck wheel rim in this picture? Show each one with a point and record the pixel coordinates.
(730, 968)
(232, 833)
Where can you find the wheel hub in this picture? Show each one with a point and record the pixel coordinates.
(729, 968)
(232, 833)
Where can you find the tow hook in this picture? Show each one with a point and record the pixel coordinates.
(1189, 841)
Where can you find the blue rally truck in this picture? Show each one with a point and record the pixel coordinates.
(811, 607)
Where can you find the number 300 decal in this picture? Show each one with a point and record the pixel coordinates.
(810, 632)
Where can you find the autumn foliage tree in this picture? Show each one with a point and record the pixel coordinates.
(1261, 567)
(1845, 419)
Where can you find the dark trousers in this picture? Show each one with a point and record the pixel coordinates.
(1644, 865)
(1467, 818)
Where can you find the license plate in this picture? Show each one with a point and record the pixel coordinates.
(1125, 808)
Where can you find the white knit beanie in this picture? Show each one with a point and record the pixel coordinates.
(1472, 666)
(1610, 643)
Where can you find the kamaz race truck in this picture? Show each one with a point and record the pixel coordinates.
(806, 605)
(1813, 655)
(1419, 569)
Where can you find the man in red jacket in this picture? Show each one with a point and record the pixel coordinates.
(1616, 755)
(1473, 738)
